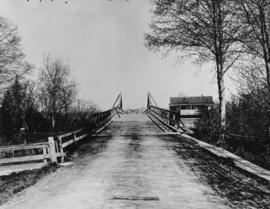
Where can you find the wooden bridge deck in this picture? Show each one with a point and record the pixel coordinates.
(128, 166)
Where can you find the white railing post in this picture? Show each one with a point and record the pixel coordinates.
(61, 150)
(74, 137)
(44, 153)
(52, 148)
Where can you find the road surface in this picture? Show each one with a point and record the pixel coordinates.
(129, 166)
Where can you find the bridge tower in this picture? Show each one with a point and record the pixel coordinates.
(118, 102)
(150, 100)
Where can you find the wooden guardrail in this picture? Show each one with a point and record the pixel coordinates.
(170, 118)
(51, 151)
(66, 140)
(24, 153)
(103, 119)
(55, 149)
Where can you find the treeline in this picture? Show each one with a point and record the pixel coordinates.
(32, 110)
(247, 130)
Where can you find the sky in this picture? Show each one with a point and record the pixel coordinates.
(103, 42)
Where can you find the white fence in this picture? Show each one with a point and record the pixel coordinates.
(51, 151)
(34, 152)
(55, 149)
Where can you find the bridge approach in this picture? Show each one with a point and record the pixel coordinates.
(144, 161)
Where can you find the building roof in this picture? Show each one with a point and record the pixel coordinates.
(205, 100)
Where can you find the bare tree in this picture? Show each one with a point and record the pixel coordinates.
(85, 106)
(255, 19)
(250, 75)
(11, 55)
(206, 29)
(57, 90)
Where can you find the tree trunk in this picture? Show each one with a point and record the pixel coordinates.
(53, 122)
(222, 102)
(268, 91)
(266, 51)
(267, 78)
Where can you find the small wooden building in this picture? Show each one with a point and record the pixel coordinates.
(191, 108)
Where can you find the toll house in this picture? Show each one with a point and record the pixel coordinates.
(191, 108)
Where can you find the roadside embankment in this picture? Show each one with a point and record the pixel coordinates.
(16, 182)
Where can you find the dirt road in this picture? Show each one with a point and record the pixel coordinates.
(131, 167)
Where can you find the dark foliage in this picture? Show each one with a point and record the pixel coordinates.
(207, 127)
(22, 122)
(247, 123)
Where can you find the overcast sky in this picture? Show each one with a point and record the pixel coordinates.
(103, 42)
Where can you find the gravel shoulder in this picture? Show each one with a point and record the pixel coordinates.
(240, 188)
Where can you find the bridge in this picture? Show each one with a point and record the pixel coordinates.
(143, 161)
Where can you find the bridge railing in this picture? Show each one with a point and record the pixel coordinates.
(54, 150)
(24, 153)
(102, 119)
(171, 118)
(61, 143)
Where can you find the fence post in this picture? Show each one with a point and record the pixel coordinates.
(74, 137)
(52, 150)
(44, 150)
(61, 150)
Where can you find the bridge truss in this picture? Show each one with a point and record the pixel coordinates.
(171, 120)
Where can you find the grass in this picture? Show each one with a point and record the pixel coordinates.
(16, 182)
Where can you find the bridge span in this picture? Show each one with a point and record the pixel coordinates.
(132, 164)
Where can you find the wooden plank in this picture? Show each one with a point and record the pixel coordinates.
(109, 118)
(22, 159)
(238, 161)
(71, 141)
(69, 133)
(165, 133)
(64, 145)
(52, 147)
(102, 128)
(156, 123)
(168, 126)
(8, 169)
(23, 147)
(81, 137)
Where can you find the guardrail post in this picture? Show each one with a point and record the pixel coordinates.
(44, 153)
(52, 150)
(75, 139)
(61, 150)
